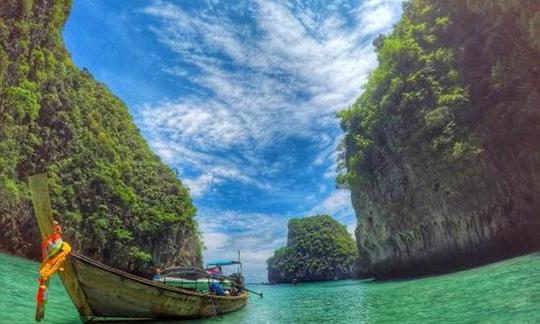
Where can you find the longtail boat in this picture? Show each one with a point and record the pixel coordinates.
(103, 293)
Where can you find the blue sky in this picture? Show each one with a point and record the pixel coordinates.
(240, 98)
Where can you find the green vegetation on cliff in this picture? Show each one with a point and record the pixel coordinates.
(115, 199)
(441, 150)
(318, 248)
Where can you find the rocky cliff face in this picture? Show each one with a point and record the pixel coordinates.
(318, 248)
(115, 199)
(442, 150)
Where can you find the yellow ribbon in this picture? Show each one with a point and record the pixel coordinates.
(52, 265)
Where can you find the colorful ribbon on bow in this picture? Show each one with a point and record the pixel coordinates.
(54, 252)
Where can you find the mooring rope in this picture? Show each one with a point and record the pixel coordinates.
(215, 308)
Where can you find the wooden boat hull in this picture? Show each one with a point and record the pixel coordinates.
(114, 294)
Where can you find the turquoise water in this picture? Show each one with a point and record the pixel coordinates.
(504, 292)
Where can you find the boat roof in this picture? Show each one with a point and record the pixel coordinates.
(221, 262)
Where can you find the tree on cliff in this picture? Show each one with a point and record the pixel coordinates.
(114, 197)
(318, 248)
(441, 148)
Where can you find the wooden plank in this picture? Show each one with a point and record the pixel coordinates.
(39, 188)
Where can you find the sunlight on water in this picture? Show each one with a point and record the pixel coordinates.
(505, 292)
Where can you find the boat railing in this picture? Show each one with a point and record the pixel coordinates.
(194, 274)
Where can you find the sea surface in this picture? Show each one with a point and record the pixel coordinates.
(503, 292)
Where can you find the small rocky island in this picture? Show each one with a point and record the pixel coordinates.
(318, 248)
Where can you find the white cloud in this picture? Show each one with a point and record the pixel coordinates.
(351, 228)
(291, 70)
(338, 204)
(256, 235)
(205, 126)
(280, 76)
(214, 175)
(215, 241)
(199, 186)
(377, 15)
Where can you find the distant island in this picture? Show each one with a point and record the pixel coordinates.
(318, 248)
(441, 150)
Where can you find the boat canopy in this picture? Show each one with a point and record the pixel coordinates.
(221, 262)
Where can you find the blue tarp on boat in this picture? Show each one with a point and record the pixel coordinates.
(221, 262)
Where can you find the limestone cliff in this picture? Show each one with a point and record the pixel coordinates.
(115, 199)
(318, 248)
(442, 149)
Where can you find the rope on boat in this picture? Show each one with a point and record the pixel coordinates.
(215, 308)
(260, 294)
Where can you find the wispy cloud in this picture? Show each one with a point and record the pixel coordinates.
(256, 235)
(206, 125)
(337, 203)
(266, 79)
(351, 228)
(282, 74)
